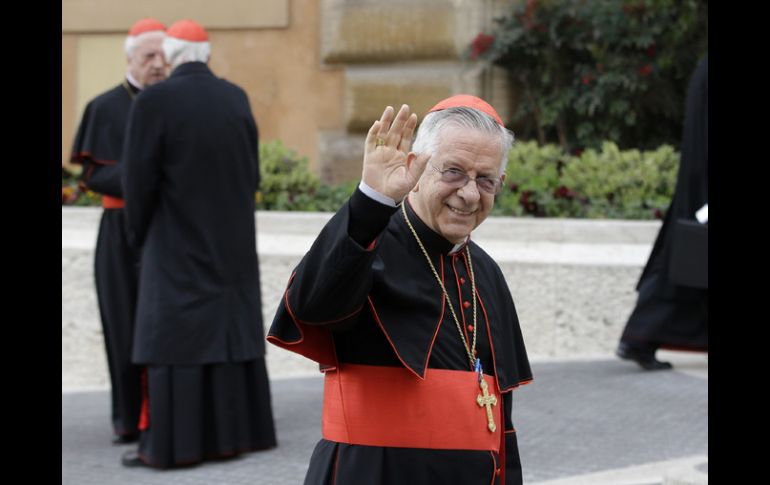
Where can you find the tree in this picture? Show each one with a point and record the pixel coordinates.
(590, 71)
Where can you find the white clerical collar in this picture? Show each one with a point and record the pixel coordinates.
(460, 246)
(384, 199)
(133, 81)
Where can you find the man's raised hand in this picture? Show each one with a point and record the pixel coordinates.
(388, 168)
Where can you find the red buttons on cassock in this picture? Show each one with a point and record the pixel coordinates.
(462, 280)
(470, 328)
(466, 304)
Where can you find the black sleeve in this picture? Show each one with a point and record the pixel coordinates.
(368, 218)
(141, 161)
(104, 179)
(256, 151)
(334, 278)
(513, 473)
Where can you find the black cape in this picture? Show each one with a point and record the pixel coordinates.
(191, 171)
(97, 148)
(348, 303)
(667, 315)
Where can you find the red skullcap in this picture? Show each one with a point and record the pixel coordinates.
(188, 30)
(468, 101)
(146, 25)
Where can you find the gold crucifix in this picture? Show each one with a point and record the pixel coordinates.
(488, 401)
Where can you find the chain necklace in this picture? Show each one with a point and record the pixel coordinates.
(471, 351)
(484, 400)
(128, 88)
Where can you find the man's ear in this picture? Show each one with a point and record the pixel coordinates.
(409, 159)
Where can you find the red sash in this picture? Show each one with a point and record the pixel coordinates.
(390, 406)
(112, 202)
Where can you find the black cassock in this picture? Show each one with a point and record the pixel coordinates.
(387, 309)
(668, 315)
(97, 147)
(191, 172)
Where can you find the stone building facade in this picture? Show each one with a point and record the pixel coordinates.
(317, 72)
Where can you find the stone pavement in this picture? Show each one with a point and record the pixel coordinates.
(588, 418)
(597, 421)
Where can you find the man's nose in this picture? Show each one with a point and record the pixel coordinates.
(470, 191)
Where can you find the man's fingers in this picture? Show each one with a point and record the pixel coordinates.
(406, 137)
(396, 131)
(385, 120)
(371, 136)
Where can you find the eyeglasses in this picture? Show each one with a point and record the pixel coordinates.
(457, 179)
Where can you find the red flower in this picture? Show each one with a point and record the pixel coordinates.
(530, 206)
(564, 193)
(650, 51)
(645, 70)
(636, 10)
(531, 6)
(481, 44)
(527, 17)
(68, 195)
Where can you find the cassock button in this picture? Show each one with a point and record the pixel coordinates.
(470, 328)
(497, 472)
(466, 304)
(462, 280)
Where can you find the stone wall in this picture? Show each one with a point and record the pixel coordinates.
(270, 48)
(317, 73)
(398, 52)
(572, 282)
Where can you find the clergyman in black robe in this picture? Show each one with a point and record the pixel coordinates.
(671, 313)
(192, 170)
(97, 147)
(411, 321)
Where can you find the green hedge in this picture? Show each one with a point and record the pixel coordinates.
(541, 181)
(288, 185)
(608, 183)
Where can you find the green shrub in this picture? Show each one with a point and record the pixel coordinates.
(586, 71)
(541, 181)
(533, 181)
(288, 185)
(73, 194)
(629, 184)
(608, 183)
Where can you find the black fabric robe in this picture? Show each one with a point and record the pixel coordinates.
(348, 302)
(97, 147)
(668, 315)
(191, 171)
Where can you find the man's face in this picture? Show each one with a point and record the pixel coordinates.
(146, 63)
(452, 212)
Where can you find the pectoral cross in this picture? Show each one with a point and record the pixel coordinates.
(488, 401)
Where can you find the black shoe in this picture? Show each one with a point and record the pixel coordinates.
(646, 360)
(124, 439)
(131, 459)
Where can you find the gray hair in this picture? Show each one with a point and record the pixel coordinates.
(179, 51)
(130, 43)
(428, 133)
